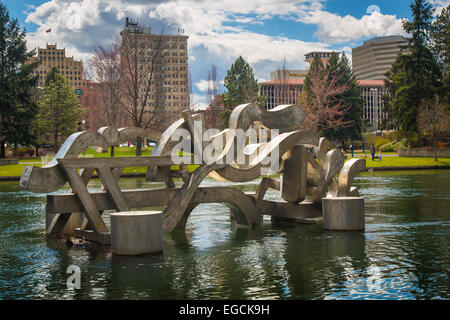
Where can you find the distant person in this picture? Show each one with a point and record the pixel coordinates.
(380, 154)
(352, 150)
(372, 151)
(363, 147)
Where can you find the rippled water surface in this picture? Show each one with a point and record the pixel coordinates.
(404, 252)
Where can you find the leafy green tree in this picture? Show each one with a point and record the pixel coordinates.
(415, 75)
(242, 87)
(17, 84)
(51, 75)
(440, 36)
(60, 109)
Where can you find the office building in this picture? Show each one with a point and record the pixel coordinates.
(169, 86)
(376, 56)
(50, 57)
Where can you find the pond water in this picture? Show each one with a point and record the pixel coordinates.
(404, 252)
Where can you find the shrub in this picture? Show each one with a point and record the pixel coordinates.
(392, 146)
(380, 141)
(22, 152)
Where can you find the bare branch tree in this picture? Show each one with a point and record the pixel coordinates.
(434, 120)
(104, 67)
(323, 109)
(143, 64)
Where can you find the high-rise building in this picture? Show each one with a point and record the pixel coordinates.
(50, 57)
(376, 56)
(169, 86)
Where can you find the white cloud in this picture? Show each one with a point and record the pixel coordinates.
(440, 4)
(203, 85)
(336, 29)
(218, 30)
(198, 101)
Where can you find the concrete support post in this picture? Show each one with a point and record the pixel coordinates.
(136, 232)
(344, 213)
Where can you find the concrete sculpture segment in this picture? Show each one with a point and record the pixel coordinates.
(275, 144)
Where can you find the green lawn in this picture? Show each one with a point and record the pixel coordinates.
(405, 162)
(387, 161)
(16, 170)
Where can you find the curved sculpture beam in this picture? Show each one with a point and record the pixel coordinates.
(322, 150)
(110, 134)
(240, 204)
(50, 177)
(175, 210)
(349, 171)
(334, 161)
(179, 203)
(283, 117)
(131, 133)
(165, 144)
(283, 142)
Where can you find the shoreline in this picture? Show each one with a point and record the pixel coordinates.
(368, 169)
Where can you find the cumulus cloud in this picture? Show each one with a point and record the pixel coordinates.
(203, 85)
(336, 29)
(218, 30)
(440, 4)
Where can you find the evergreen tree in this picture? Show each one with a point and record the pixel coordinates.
(331, 99)
(351, 99)
(17, 84)
(440, 36)
(316, 68)
(60, 109)
(415, 75)
(51, 75)
(242, 87)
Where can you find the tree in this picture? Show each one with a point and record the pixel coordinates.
(440, 36)
(143, 89)
(105, 72)
(242, 87)
(351, 100)
(415, 75)
(321, 98)
(51, 75)
(60, 109)
(434, 120)
(17, 84)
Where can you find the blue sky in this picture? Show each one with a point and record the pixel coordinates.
(264, 32)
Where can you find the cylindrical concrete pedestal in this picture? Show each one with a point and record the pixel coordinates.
(346, 213)
(136, 232)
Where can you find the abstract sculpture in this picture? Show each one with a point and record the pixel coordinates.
(308, 171)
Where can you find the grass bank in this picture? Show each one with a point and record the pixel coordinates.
(395, 161)
(387, 160)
